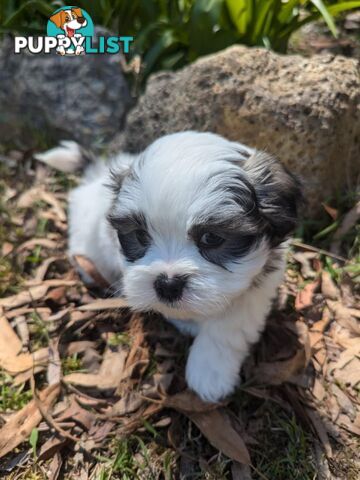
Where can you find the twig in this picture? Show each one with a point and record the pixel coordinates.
(298, 244)
(48, 418)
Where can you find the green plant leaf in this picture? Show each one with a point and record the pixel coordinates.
(319, 4)
(38, 5)
(241, 13)
(342, 7)
(33, 440)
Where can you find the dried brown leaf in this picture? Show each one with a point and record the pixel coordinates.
(129, 403)
(304, 259)
(345, 316)
(188, 401)
(34, 242)
(320, 429)
(6, 248)
(89, 268)
(110, 374)
(104, 304)
(304, 297)
(318, 390)
(50, 447)
(24, 297)
(42, 270)
(55, 467)
(22, 330)
(216, 426)
(20, 425)
(328, 287)
(344, 401)
(240, 472)
(333, 212)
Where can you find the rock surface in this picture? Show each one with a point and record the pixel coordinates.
(304, 110)
(46, 98)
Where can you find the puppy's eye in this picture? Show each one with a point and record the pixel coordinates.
(210, 240)
(142, 237)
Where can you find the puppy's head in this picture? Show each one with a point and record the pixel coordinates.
(198, 218)
(69, 20)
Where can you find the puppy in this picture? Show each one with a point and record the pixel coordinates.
(195, 228)
(69, 20)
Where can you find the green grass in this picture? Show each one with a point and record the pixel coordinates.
(12, 398)
(285, 448)
(72, 364)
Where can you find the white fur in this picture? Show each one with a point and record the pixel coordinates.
(222, 308)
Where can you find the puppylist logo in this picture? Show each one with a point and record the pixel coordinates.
(70, 31)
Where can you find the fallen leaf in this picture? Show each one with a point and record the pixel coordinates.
(34, 242)
(55, 467)
(320, 429)
(74, 412)
(6, 248)
(110, 374)
(216, 426)
(10, 344)
(345, 316)
(42, 270)
(304, 259)
(104, 304)
(20, 425)
(240, 472)
(318, 390)
(328, 287)
(333, 212)
(276, 373)
(26, 296)
(304, 297)
(350, 374)
(345, 422)
(54, 372)
(129, 403)
(50, 199)
(343, 400)
(30, 196)
(22, 330)
(188, 401)
(89, 268)
(50, 447)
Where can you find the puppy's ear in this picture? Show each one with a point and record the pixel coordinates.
(116, 179)
(58, 19)
(278, 194)
(77, 12)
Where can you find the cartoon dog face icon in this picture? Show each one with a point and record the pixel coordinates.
(69, 20)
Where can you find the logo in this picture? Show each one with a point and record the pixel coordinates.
(70, 31)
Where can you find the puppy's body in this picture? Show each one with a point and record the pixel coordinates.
(194, 228)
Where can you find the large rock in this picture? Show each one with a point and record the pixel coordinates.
(304, 110)
(45, 98)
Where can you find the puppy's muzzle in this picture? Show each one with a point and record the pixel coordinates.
(170, 289)
(81, 20)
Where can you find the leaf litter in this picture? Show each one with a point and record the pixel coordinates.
(102, 372)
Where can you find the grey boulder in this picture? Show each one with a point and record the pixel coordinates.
(46, 98)
(304, 110)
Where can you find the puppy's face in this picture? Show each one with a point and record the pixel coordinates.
(69, 20)
(198, 219)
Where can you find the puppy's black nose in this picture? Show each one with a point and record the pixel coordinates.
(80, 19)
(170, 289)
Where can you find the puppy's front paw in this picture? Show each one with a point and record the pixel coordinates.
(212, 372)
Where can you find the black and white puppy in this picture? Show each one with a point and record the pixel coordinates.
(195, 228)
